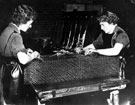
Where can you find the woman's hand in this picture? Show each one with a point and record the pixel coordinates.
(33, 54)
(87, 52)
(24, 58)
(29, 51)
(36, 54)
(78, 50)
(90, 51)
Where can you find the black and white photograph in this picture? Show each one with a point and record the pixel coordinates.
(67, 52)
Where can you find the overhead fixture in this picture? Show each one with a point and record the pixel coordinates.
(132, 1)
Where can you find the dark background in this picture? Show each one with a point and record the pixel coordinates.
(49, 12)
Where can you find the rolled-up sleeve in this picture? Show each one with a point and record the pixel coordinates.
(123, 39)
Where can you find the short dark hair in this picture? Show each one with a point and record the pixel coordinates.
(22, 14)
(109, 17)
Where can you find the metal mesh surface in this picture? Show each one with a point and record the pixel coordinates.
(56, 69)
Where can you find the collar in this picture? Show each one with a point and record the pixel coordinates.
(14, 27)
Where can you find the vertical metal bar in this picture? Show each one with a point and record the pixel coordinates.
(114, 98)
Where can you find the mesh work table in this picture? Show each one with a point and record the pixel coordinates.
(68, 74)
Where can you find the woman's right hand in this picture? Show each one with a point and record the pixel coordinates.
(33, 54)
(87, 52)
(36, 54)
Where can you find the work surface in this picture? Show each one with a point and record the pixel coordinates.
(69, 74)
(54, 69)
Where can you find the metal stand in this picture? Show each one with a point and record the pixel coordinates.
(114, 95)
(39, 103)
(122, 67)
(114, 98)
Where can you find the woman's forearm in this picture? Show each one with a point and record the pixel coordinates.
(25, 58)
(108, 52)
(91, 46)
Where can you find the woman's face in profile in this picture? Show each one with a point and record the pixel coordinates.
(106, 27)
(25, 27)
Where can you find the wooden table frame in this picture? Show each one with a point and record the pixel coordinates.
(113, 84)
